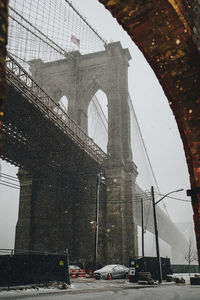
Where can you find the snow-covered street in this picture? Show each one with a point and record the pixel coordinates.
(162, 292)
(88, 289)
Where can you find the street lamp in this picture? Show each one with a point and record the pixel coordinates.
(143, 231)
(156, 228)
(100, 179)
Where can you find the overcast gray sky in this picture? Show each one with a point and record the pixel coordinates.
(156, 121)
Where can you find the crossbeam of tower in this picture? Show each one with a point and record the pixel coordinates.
(17, 76)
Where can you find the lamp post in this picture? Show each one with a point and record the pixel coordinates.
(142, 217)
(156, 228)
(100, 179)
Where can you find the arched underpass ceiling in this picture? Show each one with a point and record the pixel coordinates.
(168, 34)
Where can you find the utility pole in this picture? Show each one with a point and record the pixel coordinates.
(142, 216)
(100, 179)
(156, 229)
(156, 236)
(97, 220)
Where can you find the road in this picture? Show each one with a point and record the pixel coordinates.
(165, 292)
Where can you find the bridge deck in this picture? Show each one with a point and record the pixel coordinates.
(24, 83)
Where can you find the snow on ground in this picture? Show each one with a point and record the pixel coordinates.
(185, 276)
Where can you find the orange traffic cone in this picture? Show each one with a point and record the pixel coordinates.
(109, 276)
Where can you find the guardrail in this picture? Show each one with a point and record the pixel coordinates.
(18, 77)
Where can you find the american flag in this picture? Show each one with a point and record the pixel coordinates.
(75, 40)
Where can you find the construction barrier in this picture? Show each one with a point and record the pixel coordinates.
(90, 273)
(81, 273)
(73, 273)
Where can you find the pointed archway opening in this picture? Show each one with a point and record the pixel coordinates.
(98, 119)
(64, 103)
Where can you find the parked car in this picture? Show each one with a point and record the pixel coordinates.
(115, 271)
(74, 267)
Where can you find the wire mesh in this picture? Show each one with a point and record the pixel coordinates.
(49, 30)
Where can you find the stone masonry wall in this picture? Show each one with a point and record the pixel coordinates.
(69, 206)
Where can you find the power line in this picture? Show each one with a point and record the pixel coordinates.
(9, 181)
(4, 181)
(10, 186)
(117, 201)
(8, 177)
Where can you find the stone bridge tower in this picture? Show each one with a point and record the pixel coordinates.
(79, 78)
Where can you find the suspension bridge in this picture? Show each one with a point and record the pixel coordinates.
(53, 53)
